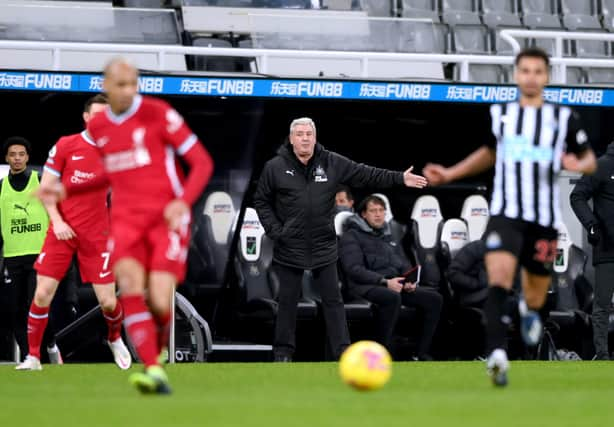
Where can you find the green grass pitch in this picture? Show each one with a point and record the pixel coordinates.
(311, 394)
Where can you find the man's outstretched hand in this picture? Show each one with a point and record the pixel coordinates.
(412, 180)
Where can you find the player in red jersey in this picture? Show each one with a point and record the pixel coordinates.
(80, 224)
(139, 139)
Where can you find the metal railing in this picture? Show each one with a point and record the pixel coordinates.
(559, 62)
(263, 56)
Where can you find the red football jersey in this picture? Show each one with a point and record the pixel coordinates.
(139, 150)
(75, 160)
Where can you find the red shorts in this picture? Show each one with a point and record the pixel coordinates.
(91, 249)
(153, 245)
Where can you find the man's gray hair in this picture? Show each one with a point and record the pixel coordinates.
(303, 121)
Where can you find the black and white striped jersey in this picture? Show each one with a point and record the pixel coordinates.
(530, 143)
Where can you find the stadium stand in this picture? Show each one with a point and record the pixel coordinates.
(97, 22)
(465, 27)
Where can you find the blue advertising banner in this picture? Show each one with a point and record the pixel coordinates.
(304, 89)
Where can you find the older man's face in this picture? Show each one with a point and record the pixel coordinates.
(303, 140)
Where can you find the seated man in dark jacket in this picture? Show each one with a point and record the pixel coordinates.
(467, 275)
(374, 265)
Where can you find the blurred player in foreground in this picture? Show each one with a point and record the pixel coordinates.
(80, 225)
(528, 142)
(139, 138)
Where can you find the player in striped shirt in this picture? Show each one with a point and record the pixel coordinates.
(530, 140)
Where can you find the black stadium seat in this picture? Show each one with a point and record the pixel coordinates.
(258, 287)
(258, 283)
(222, 214)
(426, 228)
(571, 297)
(356, 308)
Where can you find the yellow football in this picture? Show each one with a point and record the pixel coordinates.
(365, 365)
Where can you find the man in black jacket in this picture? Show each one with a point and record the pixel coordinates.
(374, 265)
(295, 201)
(599, 223)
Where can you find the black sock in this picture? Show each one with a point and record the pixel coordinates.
(497, 319)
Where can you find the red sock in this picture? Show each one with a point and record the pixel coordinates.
(141, 328)
(164, 327)
(37, 322)
(114, 321)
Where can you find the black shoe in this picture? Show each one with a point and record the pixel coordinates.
(282, 358)
(602, 356)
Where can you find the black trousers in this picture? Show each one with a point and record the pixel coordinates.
(326, 281)
(604, 288)
(388, 303)
(16, 293)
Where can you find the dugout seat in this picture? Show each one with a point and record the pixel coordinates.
(397, 229)
(356, 308)
(209, 245)
(221, 211)
(570, 296)
(475, 213)
(425, 232)
(257, 286)
(452, 239)
(340, 219)
(454, 235)
(257, 282)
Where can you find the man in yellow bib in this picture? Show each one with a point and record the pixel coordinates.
(23, 226)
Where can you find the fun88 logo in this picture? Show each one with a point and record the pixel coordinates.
(518, 148)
